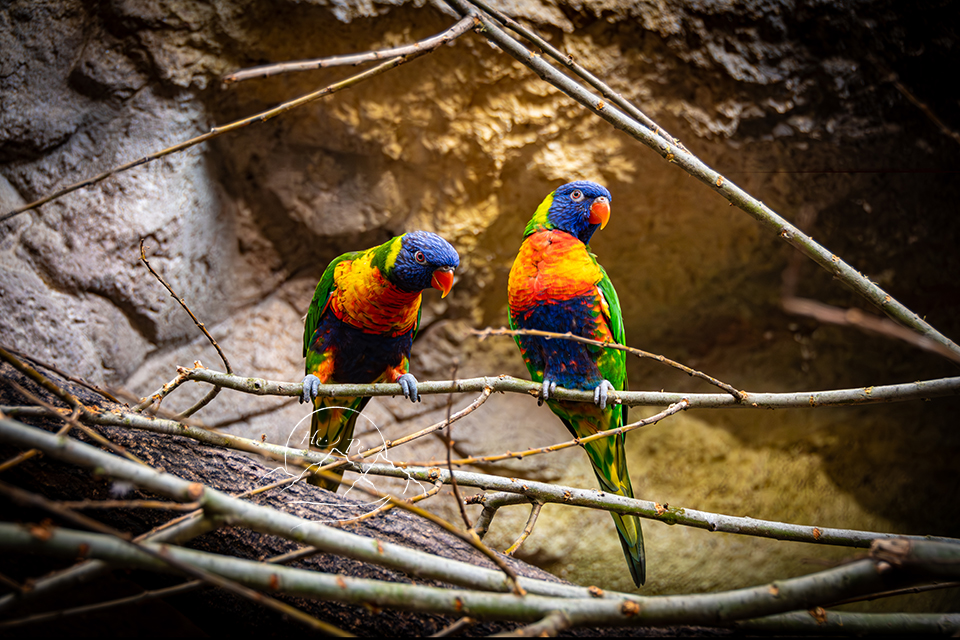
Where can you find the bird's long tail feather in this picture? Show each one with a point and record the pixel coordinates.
(615, 478)
(331, 429)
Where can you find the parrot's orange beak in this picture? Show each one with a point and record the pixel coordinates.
(442, 281)
(600, 211)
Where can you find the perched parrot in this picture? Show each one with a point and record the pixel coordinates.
(361, 325)
(557, 285)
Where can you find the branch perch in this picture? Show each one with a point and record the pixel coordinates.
(921, 390)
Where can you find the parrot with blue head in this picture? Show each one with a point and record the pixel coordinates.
(361, 324)
(557, 285)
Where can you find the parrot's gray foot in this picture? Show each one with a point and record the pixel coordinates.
(409, 385)
(548, 387)
(311, 386)
(600, 393)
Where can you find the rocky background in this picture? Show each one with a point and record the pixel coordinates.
(841, 116)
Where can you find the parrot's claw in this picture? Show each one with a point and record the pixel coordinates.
(409, 385)
(548, 387)
(311, 386)
(600, 393)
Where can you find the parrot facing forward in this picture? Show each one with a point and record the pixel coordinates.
(361, 325)
(557, 285)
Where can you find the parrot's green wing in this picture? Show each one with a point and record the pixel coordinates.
(321, 297)
(613, 363)
(613, 367)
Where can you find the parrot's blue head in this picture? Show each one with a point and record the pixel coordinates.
(579, 208)
(422, 260)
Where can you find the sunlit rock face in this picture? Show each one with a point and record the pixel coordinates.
(836, 116)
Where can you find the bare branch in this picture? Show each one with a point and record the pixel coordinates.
(920, 390)
(853, 317)
(428, 44)
(820, 622)
(520, 491)
(862, 576)
(576, 442)
(177, 381)
(527, 529)
(551, 335)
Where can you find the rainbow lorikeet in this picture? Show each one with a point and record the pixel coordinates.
(361, 325)
(557, 285)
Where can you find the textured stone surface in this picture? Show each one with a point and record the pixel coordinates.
(795, 103)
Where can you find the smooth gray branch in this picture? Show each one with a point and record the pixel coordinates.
(921, 390)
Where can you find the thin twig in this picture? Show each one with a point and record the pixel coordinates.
(854, 317)
(527, 529)
(427, 44)
(455, 627)
(226, 363)
(576, 442)
(66, 376)
(437, 486)
(389, 444)
(73, 421)
(606, 344)
(453, 478)
(157, 396)
(41, 379)
(146, 596)
(130, 504)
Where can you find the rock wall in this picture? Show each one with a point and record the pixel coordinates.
(835, 115)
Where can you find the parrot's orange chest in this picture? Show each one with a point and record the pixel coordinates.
(365, 299)
(551, 266)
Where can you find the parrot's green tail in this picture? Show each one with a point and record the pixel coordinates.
(331, 427)
(628, 527)
(631, 538)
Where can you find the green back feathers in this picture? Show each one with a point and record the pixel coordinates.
(386, 254)
(539, 221)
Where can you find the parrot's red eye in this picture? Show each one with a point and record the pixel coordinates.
(420, 258)
(577, 195)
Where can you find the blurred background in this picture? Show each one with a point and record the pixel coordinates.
(841, 116)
